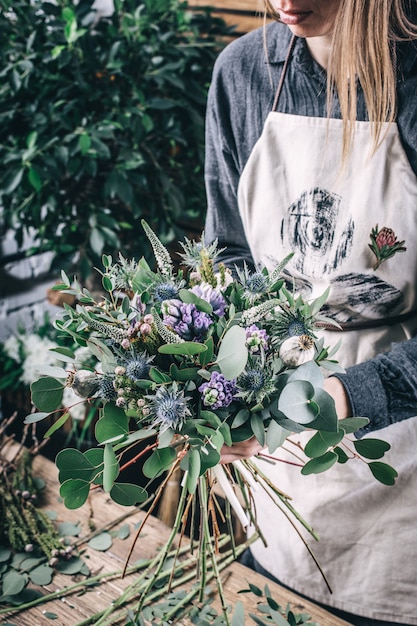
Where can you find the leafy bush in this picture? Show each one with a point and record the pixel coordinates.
(102, 123)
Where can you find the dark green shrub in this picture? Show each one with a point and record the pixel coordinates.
(101, 123)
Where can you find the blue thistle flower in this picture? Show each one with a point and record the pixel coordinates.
(296, 328)
(165, 291)
(106, 389)
(253, 379)
(218, 391)
(137, 366)
(168, 408)
(256, 383)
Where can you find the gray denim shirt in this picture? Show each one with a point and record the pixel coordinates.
(241, 95)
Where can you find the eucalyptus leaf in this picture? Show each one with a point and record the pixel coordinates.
(111, 467)
(352, 424)
(74, 492)
(371, 448)
(47, 394)
(320, 464)
(233, 353)
(13, 583)
(101, 542)
(160, 460)
(191, 298)
(384, 473)
(295, 402)
(186, 348)
(71, 567)
(258, 428)
(194, 467)
(275, 436)
(124, 531)
(72, 463)
(41, 575)
(128, 494)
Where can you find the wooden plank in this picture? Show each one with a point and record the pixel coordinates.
(99, 511)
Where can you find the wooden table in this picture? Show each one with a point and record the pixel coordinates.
(100, 511)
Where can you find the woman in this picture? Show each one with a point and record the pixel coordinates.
(303, 158)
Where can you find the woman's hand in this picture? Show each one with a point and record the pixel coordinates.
(250, 447)
(242, 450)
(336, 389)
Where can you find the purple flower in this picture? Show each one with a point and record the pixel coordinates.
(218, 391)
(212, 296)
(186, 320)
(256, 338)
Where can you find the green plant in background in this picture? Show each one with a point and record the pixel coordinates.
(102, 123)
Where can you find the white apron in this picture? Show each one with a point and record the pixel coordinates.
(294, 198)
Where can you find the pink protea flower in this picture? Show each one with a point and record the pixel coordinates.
(384, 244)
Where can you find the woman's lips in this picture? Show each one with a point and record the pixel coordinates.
(292, 18)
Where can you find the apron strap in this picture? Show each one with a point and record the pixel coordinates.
(368, 324)
(284, 72)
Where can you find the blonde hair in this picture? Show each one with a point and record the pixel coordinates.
(362, 47)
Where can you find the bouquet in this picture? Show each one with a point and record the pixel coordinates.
(192, 360)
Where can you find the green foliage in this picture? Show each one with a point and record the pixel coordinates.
(102, 122)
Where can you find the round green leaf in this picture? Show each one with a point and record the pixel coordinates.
(41, 575)
(295, 402)
(384, 473)
(315, 447)
(128, 494)
(74, 566)
(124, 531)
(159, 461)
(101, 542)
(371, 448)
(233, 353)
(74, 464)
(47, 394)
(320, 464)
(13, 583)
(5, 554)
(74, 492)
(66, 529)
(113, 426)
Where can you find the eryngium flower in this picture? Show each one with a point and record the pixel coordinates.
(168, 408)
(256, 383)
(165, 291)
(254, 284)
(212, 296)
(186, 320)
(218, 391)
(137, 366)
(106, 389)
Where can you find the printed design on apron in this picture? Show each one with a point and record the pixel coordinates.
(319, 229)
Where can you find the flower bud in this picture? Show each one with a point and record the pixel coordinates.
(297, 350)
(85, 383)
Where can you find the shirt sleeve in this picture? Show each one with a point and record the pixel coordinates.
(384, 389)
(222, 175)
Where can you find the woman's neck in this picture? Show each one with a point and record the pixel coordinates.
(319, 48)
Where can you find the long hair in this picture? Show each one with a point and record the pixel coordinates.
(363, 47)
